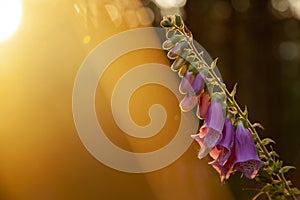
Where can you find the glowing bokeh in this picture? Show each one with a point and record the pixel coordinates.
(10, 17)
(170, 3)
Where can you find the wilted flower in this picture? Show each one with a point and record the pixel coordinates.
(211, 132)
(247, 160)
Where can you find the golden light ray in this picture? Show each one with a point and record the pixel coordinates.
(10, 18)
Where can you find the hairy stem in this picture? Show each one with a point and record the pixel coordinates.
(252, 129)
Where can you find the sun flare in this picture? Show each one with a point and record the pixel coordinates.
(10, 17)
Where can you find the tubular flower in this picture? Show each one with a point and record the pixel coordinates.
(191, 86)
(222, 150)
(176, 50)
(203, 103)
(188, 103)
(211, 132)
(225, 169)
(247, 160)
(223, 153)
(186, 81)
(197, 84)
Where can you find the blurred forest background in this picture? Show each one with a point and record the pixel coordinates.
(42, 157)
(258, 45)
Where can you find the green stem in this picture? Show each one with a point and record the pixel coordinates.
(282, 177)
(222, 86)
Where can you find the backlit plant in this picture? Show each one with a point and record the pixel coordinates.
(227, 134)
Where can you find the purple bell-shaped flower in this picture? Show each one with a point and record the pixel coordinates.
(247, 160)
(211, 132)
(223, 152)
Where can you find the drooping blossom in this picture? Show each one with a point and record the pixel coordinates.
(225, 169)
(188, 103)
(176, 50)
(247, 160)
(191, 85)
(223, 152)
(197, 84)
(186, 82)
(211, 132)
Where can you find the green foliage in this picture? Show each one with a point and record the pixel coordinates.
(180, 47)
(233, 92)
(214, 63)
(285, 169)
(267, 141)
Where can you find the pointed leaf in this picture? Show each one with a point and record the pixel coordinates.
(286, 169)
(267, 141)
(257, 195)
(259, 126)
(295, 191)
(233, 92)
(267, 188)
(214, 63)
(273, 153)
(245, 113)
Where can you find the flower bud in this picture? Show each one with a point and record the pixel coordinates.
(166, 23)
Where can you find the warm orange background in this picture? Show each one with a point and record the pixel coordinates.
(41, 155)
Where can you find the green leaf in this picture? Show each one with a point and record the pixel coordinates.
(285, 169)
(257, 195)
(245, 113)
(295, 190)
(233, 92)
(214, 63)
(259, 126)
(266, 188)
(276, 165)
(267, 141)
(280, 163)
(273, 153)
